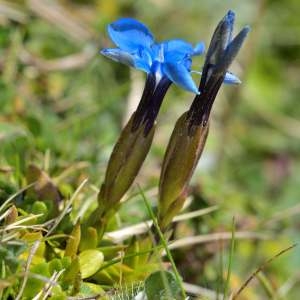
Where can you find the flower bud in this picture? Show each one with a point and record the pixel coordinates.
(190, 132)
(125, 162)
(182, 155)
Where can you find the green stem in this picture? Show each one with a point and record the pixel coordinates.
(267, 286)
(230, 259)
(165, 245)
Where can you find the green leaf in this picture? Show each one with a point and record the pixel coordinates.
(55, 265)
(162, 285)
(34, 285)
(88, 289)
(40, 207)
(90, 262)
(89, 239)
(71, 273)
(103, 277)
(73, 241)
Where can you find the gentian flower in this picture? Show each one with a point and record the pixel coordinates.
(221, 52)
(165, 63)
(190, 132)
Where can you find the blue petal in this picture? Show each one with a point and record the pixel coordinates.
(178, 45)
(129, 34)
(176, 50)
(158, 52)
(199, 49)
(231, 79)
(119, 56)
(126, 58)
(178, 73)
(140, 64)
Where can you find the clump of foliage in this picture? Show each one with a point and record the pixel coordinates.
(45, 255)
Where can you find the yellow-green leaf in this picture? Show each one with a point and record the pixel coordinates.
(90, 262)
(73, 241)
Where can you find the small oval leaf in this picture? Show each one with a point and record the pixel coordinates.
(90, 262)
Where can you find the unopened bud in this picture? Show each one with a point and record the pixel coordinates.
(182, 155)
(125, 162)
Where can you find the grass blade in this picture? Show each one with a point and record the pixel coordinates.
(165, 245)
(227, 283)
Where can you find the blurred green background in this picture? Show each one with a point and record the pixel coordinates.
(63, 105)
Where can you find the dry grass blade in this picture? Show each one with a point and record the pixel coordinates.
(55, 14)
(5, 214)
(215, 237)
(201, 291)
(44, 294)
(33, 227)
(259, 269)
(12, 197)
(124, 233)
(288, 125)
(27, 266)
(195, 214)
(12, 12)
(70, 170)
(73, 61)
(288, 285)
(85, 206)
(17, 224)
(284, 214)
(41, 278)
(6, 169)
(9, 237)
(37, 243)
(66, 209)
(24, 220)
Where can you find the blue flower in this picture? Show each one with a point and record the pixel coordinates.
(222, 50)
(137, 48)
